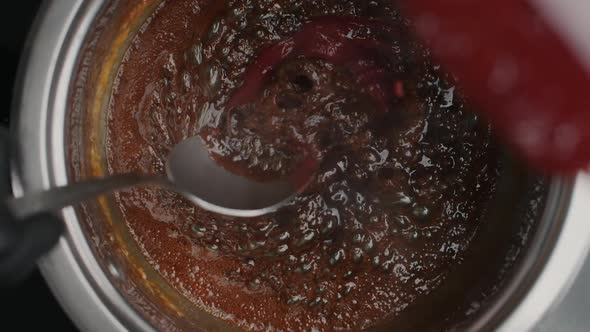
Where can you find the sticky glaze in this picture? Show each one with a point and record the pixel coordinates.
(397, 198)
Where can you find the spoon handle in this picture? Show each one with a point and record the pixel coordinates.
(60, 197)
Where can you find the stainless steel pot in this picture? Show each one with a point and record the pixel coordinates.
(102, 282)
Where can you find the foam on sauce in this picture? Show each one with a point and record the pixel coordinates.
(397, 198)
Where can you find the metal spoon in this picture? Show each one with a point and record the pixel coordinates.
(190, 171)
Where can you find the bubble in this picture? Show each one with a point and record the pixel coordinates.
(254, 161)
(401, 220)
(252, 245)
(402, 199)
(258, 148)
(186, 81)
(215, 29)
(284, 236)
(376, 260)
(198, 230)
(337, 257)
(420, 212)
(360, 173)
(369, 245)
(386, 266)
(296, 299)
(275, 282)
(308, 236)
(214, 76)
(243, 23)
(357, 238)
(307, 267)
(386, 252)
(238, 12)
(277, 166)
(315, 302)
(265, 166)
(357, 255)
(282, 249)
(198, 54)
(393, 230)
(254, 284)
(169, 99)
(348, 288)
(413, 235)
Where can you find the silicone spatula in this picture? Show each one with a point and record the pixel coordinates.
(518, 70)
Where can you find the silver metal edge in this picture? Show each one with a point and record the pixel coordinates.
(561, 268)
(72, 272)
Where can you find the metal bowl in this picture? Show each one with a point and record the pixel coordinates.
(98, 273)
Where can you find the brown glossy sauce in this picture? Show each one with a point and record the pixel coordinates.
(397, 198)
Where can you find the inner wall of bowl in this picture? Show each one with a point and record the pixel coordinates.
(501, 244)
(108, 235)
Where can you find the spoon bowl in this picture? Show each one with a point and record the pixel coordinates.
(207, 184)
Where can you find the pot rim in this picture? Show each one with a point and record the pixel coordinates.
(72, 272)
(39, 111)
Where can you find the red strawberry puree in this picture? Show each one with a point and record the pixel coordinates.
(404, 169)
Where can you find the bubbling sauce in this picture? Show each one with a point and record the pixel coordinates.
(404, 170)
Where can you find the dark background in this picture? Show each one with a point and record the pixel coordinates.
(29, 306)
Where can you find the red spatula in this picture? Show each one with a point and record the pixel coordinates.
(518, 70)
